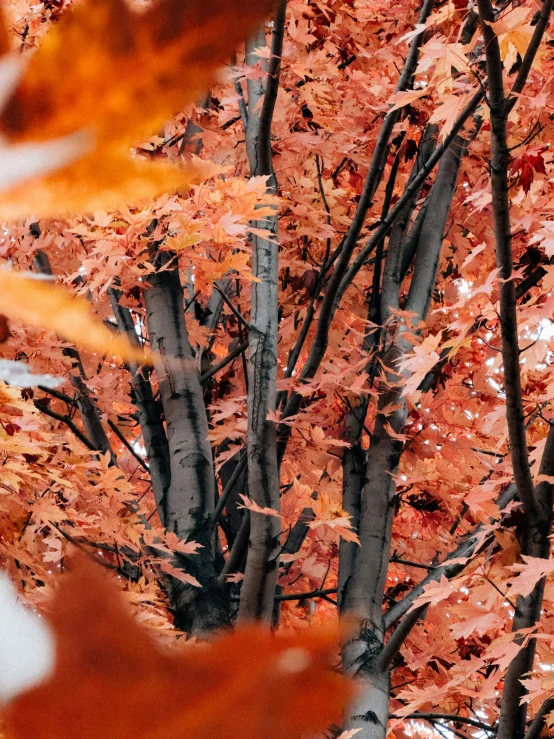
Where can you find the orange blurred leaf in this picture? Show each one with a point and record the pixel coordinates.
(121, 74)
(111, 680)
(39, 302)
(91, 184)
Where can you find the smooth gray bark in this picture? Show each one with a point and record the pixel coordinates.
(190, 499)
(260, 581)
(362, 589)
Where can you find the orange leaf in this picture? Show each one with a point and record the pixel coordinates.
(530, 571)
(121, 74)
(111, 680)
(92, 183)
(251, 505)
(41, 303)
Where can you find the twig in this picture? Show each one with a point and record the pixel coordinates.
(224, 362)
(128, 446)
(238, 315)
(449, 717)
(57, 394)
(237, 472)
(68, 422)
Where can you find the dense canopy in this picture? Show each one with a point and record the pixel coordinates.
(286, 294)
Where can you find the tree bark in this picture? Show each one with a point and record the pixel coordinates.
(258, 589)
(500, 158)
(537, 501)
(397, 247)
(190, 499)
(384, 296)
(361, 592)
(149, 411)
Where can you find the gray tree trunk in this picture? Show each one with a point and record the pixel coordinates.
(362, 589)
(258, 589)
(190, 499)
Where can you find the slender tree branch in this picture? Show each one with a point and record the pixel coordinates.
(90, 416)
(413, 187)
(238, 550)
(532, 279)
(238, 315)
(237, 472)
(446, 568)
(43, 408)
(59, 395)
(531, 52)
(537, 724)
(310, 312)
(260, 579)
(335, 292)
(128, 446)
(149, 411)
(305, 596)
(503, 238)
(408, 563)
(398, 637)
(264, 163)
(243, 110)
(224, 362)
(449, 717)
(373, 178)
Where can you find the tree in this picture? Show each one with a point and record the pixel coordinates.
(345, 292)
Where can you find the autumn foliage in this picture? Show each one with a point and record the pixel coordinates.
(283, 296)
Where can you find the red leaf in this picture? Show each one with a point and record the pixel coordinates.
(111, 680)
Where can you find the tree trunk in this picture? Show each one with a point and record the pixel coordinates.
(536, 501)
(362, 590)
(149, 411)
(258, 589)
(190, 498)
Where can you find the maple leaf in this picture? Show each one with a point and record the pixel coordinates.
(36, 301)
(435, 592)
(530, 572)
(482, 622)
(423, 358)
(24, 161)
(514, 34)
(448, 111)
(120, 75)
(405, 97)
(184, 577)
(525, 166)
(111, 680)
(255, 508)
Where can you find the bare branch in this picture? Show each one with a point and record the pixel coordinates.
(537, 724)
(451, 717)
(128, 446)
(224, 362)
